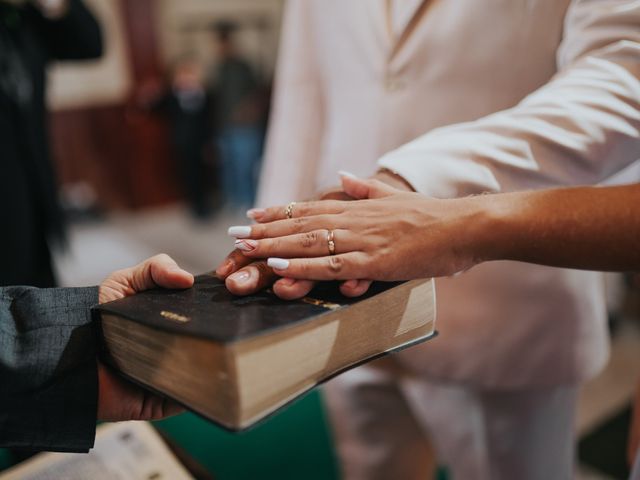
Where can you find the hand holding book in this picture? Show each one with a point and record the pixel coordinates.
(117, 398)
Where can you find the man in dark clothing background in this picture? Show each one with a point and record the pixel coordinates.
(187, 104)
(31, 35)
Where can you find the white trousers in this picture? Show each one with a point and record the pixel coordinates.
(383, 423)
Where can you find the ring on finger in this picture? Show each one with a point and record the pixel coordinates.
(331, 242)
(288, 211)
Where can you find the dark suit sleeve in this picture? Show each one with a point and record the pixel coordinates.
(74, 36)
(48, 372)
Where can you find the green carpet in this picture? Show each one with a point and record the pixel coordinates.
(291, 445)
(5, 459)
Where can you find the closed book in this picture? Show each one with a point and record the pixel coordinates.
(236, 360)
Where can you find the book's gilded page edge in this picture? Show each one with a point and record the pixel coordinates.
(414, 295)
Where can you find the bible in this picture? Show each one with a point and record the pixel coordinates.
(236, 360)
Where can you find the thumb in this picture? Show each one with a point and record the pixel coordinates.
(162, 271)
(361, 189)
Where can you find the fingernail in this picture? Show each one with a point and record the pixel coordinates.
(224, 269)
(351, 283)
(246, 245)
(278, 263)
(287, 282)
(240, 277)
(255, 213)
(239, 231)
(344, 173)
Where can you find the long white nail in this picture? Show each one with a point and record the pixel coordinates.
(255, 213)
(239, 231)
(278, 263)
(344, 173)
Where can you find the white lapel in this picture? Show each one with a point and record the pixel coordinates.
(401, 19)
(402, 11)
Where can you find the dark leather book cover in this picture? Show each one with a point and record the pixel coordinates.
(209, 310)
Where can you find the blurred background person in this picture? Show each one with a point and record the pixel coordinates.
(187, 104)
(33, 33)
(238, 115)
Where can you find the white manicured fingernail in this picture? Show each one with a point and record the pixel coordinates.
(239, 231)
(255, 213)
(278, 263)
(344, 173)
(246, 245)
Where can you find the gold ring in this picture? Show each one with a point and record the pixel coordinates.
(288, 211)
(331, 242)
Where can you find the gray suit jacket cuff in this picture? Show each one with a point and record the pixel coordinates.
(48, 373)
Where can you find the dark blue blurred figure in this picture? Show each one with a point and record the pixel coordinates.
(238, 119)
(187, 105)
(32, 33)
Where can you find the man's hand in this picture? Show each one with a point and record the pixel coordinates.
(244, 275)
(118, 399)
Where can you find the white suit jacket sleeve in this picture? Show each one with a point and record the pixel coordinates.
(293, 144)
(580, 128)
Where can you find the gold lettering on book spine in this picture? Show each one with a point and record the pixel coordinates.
(321, 303)
(176, 317)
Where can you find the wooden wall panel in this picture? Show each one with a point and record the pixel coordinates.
(125, 155)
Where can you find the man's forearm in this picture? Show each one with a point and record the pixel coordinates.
(593, 228)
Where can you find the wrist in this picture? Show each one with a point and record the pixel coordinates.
(495, 227)
(483, 231)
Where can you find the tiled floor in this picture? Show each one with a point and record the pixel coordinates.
(125, 239)
(97, 249)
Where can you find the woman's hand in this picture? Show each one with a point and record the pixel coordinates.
(118, 399)
(244, 275)
(393, 235)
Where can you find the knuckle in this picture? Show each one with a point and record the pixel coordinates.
(299, 224)
(309, 239)
(336, 264)
(304, 268)
(300, 210)
(123, 272)
(274, 244)
(160, 257)
(257, 230)
(273, 213)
